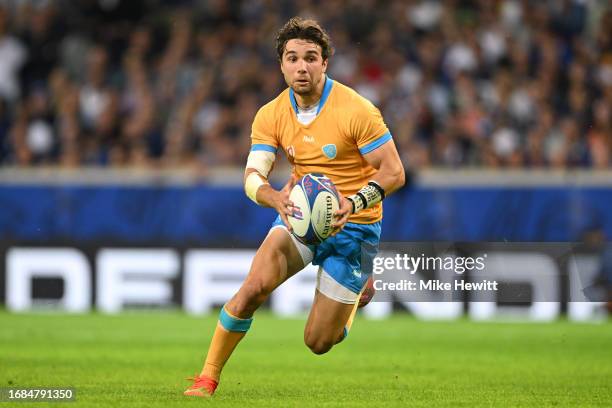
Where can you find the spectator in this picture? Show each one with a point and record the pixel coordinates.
(149, 83)
(13, 55)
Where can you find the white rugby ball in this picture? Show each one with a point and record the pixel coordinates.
(315, 201)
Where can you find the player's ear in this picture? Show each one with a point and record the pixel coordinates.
(324, 64)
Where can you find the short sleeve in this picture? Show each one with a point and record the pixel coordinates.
(262, 132)
(369, 128)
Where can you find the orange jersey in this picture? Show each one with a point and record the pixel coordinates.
(346, 127)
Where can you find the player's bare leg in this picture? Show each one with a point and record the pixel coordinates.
(326, 323)
(276, 260)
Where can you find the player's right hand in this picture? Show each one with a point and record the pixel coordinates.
(283, 205)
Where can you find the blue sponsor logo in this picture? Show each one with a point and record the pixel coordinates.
(330, 151)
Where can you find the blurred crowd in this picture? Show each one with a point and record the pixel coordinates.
(512, 83)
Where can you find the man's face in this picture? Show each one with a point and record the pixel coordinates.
(303, 66)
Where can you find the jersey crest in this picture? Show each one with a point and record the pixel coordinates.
(330, 151)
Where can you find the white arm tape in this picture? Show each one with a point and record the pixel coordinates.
(252, 184)
(261, 161)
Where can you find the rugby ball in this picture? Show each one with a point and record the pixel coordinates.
(315, 200)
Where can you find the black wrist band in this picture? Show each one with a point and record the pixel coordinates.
(352, 203)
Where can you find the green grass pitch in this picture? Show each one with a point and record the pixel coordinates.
(140, 360)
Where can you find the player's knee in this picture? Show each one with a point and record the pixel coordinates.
(256, 289)
(259, 290)
(317, 344)
(320, 346)
(251, 296)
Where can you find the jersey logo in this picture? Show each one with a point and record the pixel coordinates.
(330, 151)
(308, 139)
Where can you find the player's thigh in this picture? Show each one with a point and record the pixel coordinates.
(326, 320)
(276, 260)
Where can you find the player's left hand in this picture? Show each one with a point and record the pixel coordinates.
(342, 215)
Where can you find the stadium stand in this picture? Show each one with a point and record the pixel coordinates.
(154, 84)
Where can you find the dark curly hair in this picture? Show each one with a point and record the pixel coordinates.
(309, 30)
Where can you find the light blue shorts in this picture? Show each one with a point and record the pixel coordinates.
(348, 256)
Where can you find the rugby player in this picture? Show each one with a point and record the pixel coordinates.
(323, 127)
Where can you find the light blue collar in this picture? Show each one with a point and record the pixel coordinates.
(326, 90)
